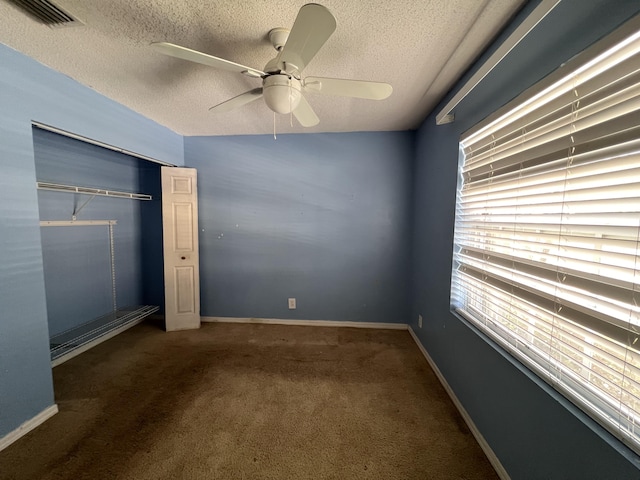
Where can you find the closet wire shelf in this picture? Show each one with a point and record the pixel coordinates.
(56, 187)
(77, 337)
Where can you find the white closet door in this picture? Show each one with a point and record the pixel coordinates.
(180, 231)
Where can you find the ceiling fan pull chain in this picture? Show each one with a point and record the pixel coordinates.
(274, 126)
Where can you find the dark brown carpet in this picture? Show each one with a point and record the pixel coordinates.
(233, 401)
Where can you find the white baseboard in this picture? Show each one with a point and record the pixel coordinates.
(88, 346)
(27, 426)
(493, 459)
(315, 323)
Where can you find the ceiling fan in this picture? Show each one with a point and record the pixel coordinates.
(282, 83)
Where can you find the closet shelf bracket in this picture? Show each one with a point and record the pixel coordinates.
(76, 211)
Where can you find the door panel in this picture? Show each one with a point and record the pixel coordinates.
(185, 299)
(180, 229)
(183, 228)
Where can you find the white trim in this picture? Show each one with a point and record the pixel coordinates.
(493, 459)
(314, 323)
(27, 426)
(509, 44)
(87, 346)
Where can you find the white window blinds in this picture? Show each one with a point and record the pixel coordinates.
(547, 256)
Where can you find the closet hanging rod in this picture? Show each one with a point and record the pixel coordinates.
(91, 191)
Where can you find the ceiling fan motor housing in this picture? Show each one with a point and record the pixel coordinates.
(282, 93)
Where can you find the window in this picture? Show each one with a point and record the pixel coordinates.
(547, 255)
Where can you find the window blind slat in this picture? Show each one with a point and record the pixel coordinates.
(614, 333)
(597, 232)
(619, 77)
(587, 138)
(615, 270)
(604, 159)
(623, 172)
(615, 219)
(593, 110)
(558, 281)
(589, 244)
(624, 199)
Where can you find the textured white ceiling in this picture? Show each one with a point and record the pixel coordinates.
(420, 47)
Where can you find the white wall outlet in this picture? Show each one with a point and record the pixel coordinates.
(292, 304)
(419, 321)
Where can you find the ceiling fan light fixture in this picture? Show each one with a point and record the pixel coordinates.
(282, 93)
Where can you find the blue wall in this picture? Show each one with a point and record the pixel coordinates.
(323, 218)
(527, 425)
(31, 92)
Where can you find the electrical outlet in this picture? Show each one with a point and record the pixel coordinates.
(419, 321)
(292, 304)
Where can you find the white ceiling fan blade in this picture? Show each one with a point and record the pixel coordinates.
(348, 88)
(235, 102)
(199, 57)
(312, 28)
(305, 114)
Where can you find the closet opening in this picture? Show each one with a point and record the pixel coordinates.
(101, 230)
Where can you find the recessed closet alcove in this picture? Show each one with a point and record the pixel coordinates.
(101, 229)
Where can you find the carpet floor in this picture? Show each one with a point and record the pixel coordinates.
(247, 401)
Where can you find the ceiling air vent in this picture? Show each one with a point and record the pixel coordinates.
(46, 12)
